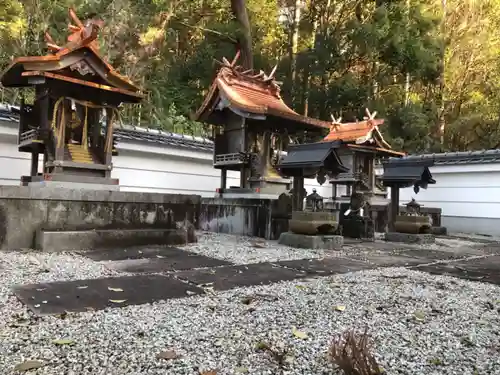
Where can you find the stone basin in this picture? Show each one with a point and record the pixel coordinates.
(312, 223)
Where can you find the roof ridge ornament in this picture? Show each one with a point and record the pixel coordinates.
(336, 123)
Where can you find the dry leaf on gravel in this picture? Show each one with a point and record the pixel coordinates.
(28, 365)
(299, 334)
(168, 355)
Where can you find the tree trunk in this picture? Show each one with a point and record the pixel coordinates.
(245, 33)
(295, 44)
(307, 71)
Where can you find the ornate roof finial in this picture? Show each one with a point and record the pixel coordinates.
(336, 122)
(369, 116)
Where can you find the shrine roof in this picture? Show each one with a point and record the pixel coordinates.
(312, 155)
(78, 62)
(361, 135)
(255, 94)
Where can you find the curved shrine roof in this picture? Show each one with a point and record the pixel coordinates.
(256, 94)
(77, 62)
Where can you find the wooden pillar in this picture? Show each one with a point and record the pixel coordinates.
(244, 172)
(63, 118)
(334, 192)
(394, 207)
(42, 105)
(108, 144)
(298, 196)
(34, 163)
(223, 179)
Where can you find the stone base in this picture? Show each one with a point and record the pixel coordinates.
(73, 185)
(25, 210)
(303, 241)
(439, 231)
(410, 238)
(52, 241)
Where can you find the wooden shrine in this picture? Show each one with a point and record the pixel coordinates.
(77, 95)
(362, 144)
(251, 126)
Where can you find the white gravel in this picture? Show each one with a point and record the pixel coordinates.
(421, 324)
(245, 250)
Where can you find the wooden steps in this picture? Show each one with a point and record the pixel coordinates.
(79, 154)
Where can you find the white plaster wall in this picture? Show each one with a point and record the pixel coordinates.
(149, 167)
(469, 195)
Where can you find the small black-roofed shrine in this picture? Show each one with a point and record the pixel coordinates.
(402, 173)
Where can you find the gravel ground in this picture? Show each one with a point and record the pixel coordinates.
(421, 324)
(245, 250)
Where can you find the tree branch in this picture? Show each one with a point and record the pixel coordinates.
(223, 36)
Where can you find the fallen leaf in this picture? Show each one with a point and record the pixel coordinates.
(41, 289)
(340, 307)
(28, 365)
(300, 287)
(168, 355)
(89, 308)
(189, 292)
(82, 287)
(241, 370)
(115, 289)
(159, 256)
(63, 342)
(36, 306)
(209, 372)
(419, 315)
(299, 334)
(117, 300)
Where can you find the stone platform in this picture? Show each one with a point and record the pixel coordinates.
(302, 241)
(410, 238)
(27, 211)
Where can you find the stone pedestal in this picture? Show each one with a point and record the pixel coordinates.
(303, 241)
(410, 238)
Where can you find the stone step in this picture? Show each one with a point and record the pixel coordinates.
(52, 241)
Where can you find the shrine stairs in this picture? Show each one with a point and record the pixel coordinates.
(78, 154)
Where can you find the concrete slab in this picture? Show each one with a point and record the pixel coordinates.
(51, 241)
(480, 269)
(326, 266)
(183, 261)
(410, 238)
(136, 252)
(98, 294)
(303, 241)
(224, 278)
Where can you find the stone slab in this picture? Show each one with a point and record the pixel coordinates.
(185, 261)
(433, 255)
(94, 294)
(478, 269)
(325, 266)
(52, 241)
(303, 241)
(390, 260)
(224, 278)
(133, 252)
(410, 238)
(64, 194)
(74, 185)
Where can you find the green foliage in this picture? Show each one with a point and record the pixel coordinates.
(351, 54)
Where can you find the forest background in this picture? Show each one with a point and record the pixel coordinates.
(431, 68)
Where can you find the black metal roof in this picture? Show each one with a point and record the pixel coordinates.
(310, 156)
(408, 171)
